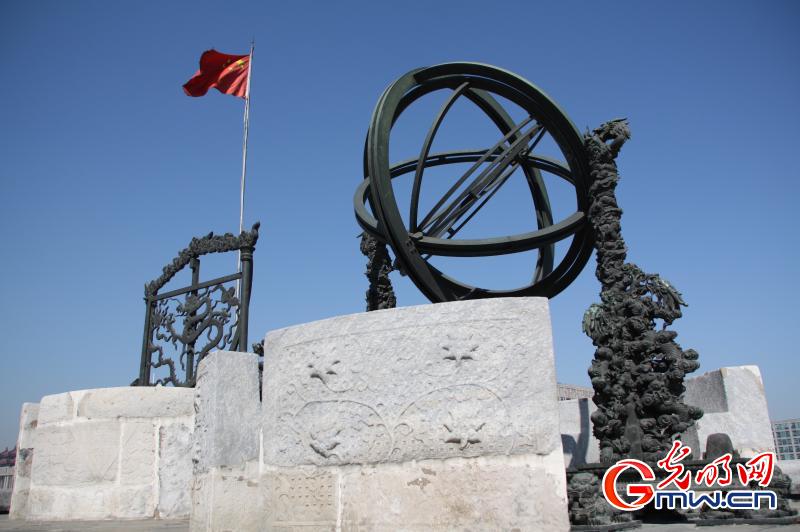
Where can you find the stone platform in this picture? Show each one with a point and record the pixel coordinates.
(105, 453)
(437, 417)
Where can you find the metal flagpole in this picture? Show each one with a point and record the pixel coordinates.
(244, 158)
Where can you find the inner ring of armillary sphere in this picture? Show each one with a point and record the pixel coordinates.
(432, 234)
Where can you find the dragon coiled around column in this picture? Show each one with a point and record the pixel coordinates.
(638, 370)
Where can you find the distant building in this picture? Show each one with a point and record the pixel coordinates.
(568, 391)
(787, 438)
(7, 459)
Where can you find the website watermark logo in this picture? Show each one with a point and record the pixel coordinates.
(676, 490)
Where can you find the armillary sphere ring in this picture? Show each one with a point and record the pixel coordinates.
(433, 235)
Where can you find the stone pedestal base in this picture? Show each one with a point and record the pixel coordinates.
(487, 493)
(437, 417)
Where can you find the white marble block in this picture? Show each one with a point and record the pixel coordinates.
(110, 453)
(28, 420)
(435, 417)
(228, 408)
(226, 435)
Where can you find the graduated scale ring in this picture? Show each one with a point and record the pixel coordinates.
(434, 234)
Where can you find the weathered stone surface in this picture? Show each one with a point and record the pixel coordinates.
(137, 453)
(91, 502)
(28, 421)
(488, 493)
(85, 502)
(229, 499)
(76, 455)
(438, 417)
(136, 401)
(521, 492)
(175, 469)
(308, 495)
(112, 461)
(708, 389)
(116, 525)
(55, 408)
(737, 406)
(129, 502)
(579, 444)
(463, 379)
(227, 405)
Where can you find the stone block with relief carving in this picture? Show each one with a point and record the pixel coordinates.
(440, 416)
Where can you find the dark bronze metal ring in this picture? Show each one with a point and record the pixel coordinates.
(414, 243)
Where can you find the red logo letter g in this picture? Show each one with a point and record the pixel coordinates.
(643, 491)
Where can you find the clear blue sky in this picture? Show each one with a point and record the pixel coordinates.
(108, 169)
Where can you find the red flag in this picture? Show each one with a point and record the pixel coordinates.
(227, 73)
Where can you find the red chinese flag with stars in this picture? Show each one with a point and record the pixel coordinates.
(227, 73)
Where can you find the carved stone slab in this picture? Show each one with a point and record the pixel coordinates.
(462, 379)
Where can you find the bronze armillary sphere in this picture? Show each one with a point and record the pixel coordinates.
(433, 234)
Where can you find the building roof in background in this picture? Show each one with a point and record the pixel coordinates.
(8, 457)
